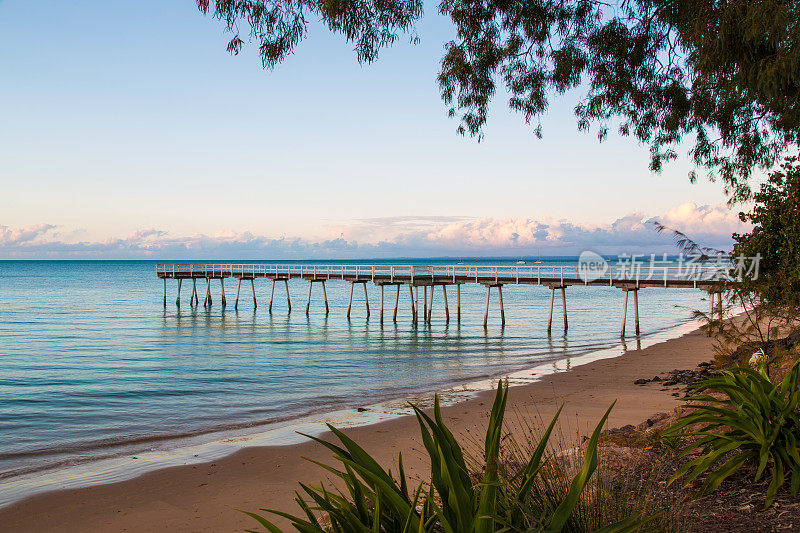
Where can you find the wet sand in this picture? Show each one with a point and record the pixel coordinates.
(205, 497)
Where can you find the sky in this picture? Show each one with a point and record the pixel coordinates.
(128, 131)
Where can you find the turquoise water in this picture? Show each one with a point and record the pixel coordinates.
(92, 365)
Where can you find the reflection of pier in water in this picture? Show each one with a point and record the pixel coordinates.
(415, 276)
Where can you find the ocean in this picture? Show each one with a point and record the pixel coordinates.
(92, 366)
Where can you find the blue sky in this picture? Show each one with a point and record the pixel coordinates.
(128, 130)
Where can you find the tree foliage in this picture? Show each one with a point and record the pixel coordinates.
(775, 237)
(725, 74)
(278, 26)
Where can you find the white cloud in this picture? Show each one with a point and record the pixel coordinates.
(397, 237)
(10, 237)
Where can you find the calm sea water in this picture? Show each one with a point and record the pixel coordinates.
(92, 365)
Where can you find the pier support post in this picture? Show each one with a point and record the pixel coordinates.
(178, 300)
(194, 299)
(253, 287)
(416, 304)
(350, 301)
(564, 305)
(550, 314)
(413, 306)
(636, 309)
(324, 294)
(624, 312)
(165, 293)
(502, 309)
(238, 289)
(711, 315)
(288, 299)
(446, 308)
(430, 307)
(396, 303)
(271, 296)
(486, 310)
(222, 288)
(425, 303)
(381, 304)
(458, 302)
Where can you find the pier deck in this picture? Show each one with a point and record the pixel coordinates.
(705, 278)
(629, 278)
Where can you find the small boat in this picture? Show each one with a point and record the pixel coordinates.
(521, 262)
(540, 258)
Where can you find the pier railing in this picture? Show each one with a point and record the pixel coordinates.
(699, 272)
(628, 276)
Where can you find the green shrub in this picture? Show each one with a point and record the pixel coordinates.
(373, 500)
(756, 424)
(626, 483)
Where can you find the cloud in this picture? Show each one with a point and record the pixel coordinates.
(396, 237)
(22, 236)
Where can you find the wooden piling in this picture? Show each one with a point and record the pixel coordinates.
(425, 303)
(288, 298)
(325, 296)
(381, 304)
(366, 298)
(271, 296)
(238, 289)
(458, 302)
(350, 301)
(396, 303)
(194, 299)
(308, 300)
(564, 305)
(711, 314)
(502, 310)
(446, 308)
(430, 307)
(624, 311)
(222, 288)
(486, 310)
(416, 304)
(253, 287)
(165, 293)
(550, 314)
(636, 309)
(178, 300)
(413, 305)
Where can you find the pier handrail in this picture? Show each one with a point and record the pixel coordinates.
(699, 272)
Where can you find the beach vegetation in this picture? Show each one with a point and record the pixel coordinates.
(742, 420)
(775, 239)
(465, 493)
(764, 293)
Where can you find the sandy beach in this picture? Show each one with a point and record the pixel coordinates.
(205, 497)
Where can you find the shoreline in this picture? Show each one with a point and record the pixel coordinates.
(204, 496)
(199, 449)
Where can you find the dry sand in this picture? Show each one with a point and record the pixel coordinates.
(205, 497)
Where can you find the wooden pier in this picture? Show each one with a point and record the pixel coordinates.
(556, 278)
